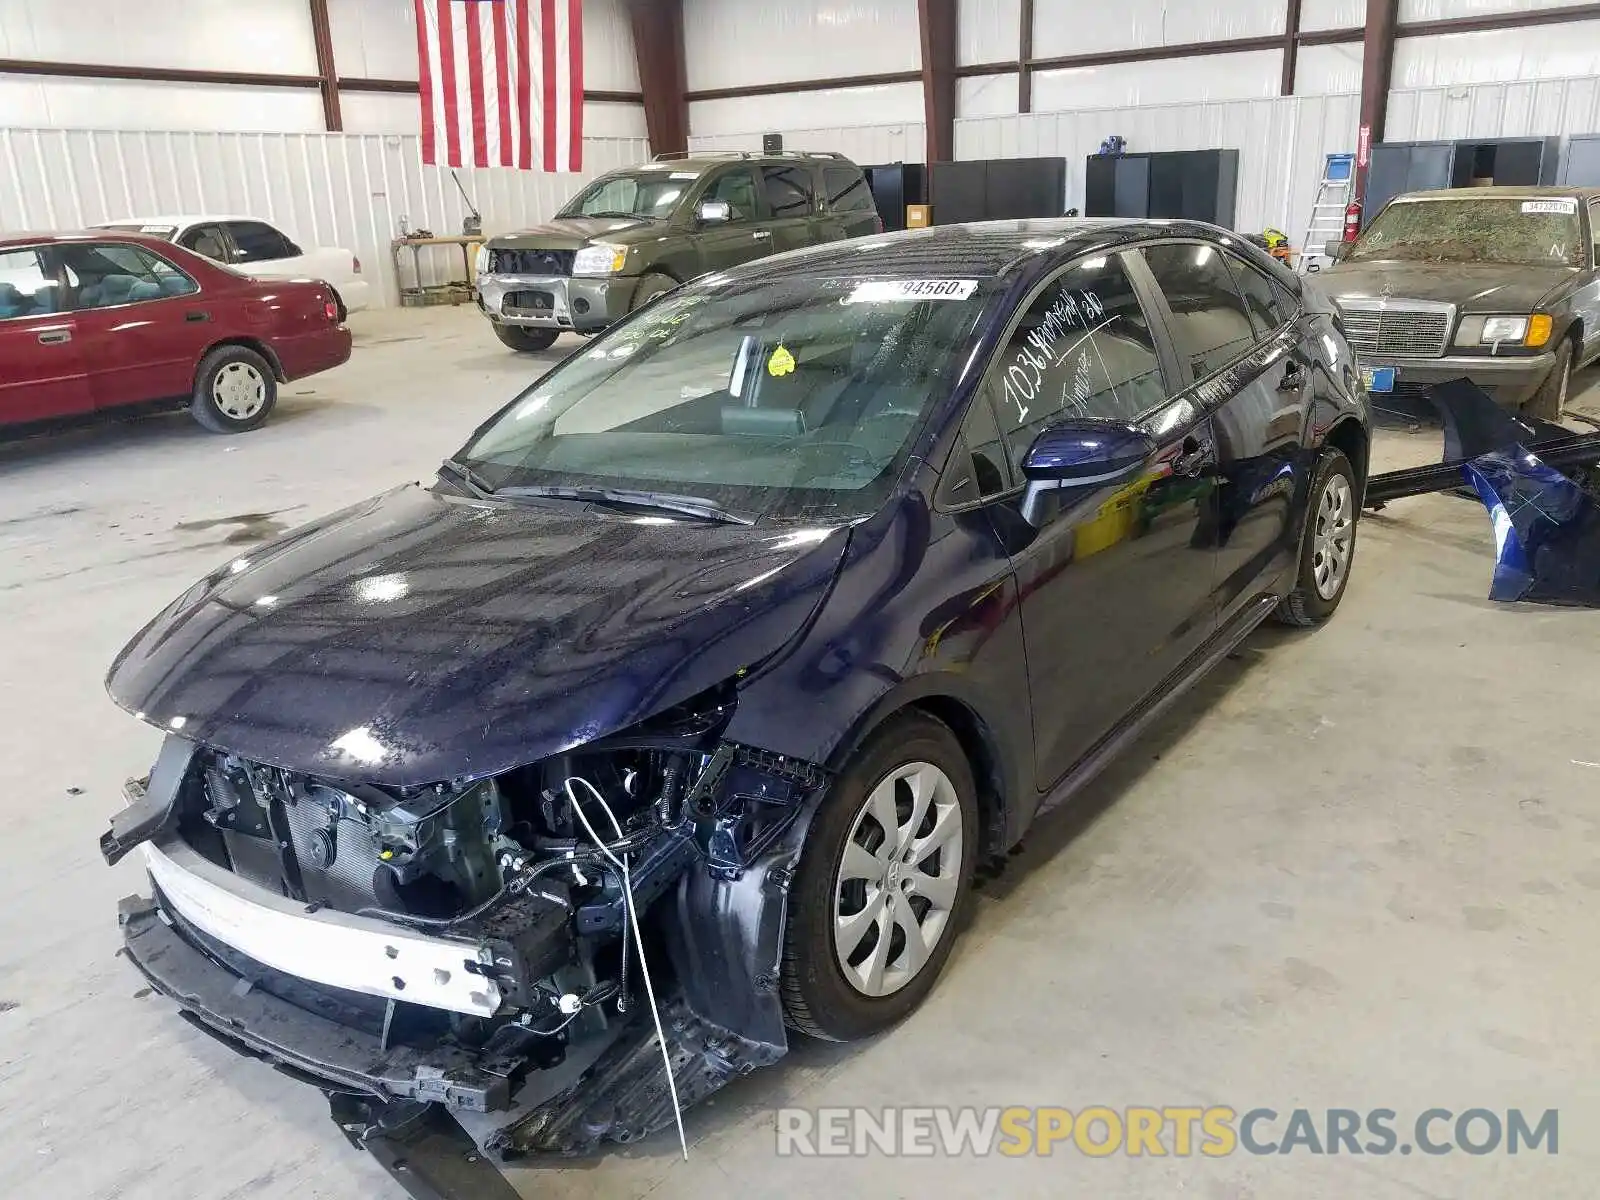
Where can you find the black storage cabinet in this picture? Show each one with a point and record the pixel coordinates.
(1193, 185)
(997, 189)
(1398, 167)
(895, 185)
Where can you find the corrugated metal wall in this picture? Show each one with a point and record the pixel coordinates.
(329, 189)
(866, 144)
(1531, 108)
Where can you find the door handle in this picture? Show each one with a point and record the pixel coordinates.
(54, 337)
(196, 316)
(1293, 378)
(762, 235)
(1193, 456)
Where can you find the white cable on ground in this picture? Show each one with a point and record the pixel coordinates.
(638, 938)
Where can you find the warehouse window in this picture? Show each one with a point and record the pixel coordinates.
(105, 276)
(789, 191)
(847, 190)
(1211, 324)
(259, 242)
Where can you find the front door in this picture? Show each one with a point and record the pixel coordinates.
(743, 236)
(1116, 591)
(43, 368)
(792, 201)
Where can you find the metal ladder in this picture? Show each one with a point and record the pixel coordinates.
(1327, 214)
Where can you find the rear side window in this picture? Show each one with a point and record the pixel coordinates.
(105, 276)
(1263, 298)
(1211, 324)
(847, 190)
(789, 190)
(258, 242)
(25, 289)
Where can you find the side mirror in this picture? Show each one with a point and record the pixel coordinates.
(1080, 453)
(1334, 250)
(715, 212)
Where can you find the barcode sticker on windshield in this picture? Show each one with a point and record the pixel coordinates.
(878, 291)
(1566, 208)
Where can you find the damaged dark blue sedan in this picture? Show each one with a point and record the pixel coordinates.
(676, 713)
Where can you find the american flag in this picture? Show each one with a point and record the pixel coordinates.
(502, 83)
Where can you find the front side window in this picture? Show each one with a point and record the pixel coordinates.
(789, 190)
(1082, 349)
(1210, 322)
(1536, 231)
(738, 189)
(782, 397)
(258, 242)
(108, 275)
(1269, 303)
(25, 289)
(847, 190)
(652, 196)
(206, 240)
(1594, 231)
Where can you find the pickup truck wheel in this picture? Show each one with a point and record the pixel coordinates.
(883, 882)
(650, 286)
(528, 341)
(234, 390)
(1550, 401)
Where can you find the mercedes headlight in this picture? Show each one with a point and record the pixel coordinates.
(1503, 329)
(600, 259)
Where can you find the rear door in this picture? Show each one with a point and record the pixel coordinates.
(43, 371)
(792, 202)
(1238, 335)
(849, 208)
(142, 321)
(743, 237)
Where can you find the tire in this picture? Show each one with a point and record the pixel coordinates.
(1550, 401)
(818, 996)
(528, 341)
(234, 390)
(651, 285)
(1322, 573)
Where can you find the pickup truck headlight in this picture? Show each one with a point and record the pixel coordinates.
(601, 259)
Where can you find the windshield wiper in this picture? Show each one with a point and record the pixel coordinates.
(688, 506)
(476, 483)
(632, 216)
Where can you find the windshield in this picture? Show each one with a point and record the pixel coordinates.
(783, 398)
(1524, 232)
(653, 195)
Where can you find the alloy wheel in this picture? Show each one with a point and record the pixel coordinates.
(898, 879)
(239, 391)
(1334, 538)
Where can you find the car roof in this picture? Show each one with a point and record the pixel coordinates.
(980, 249)
(1502, 193)
(58, 237)
(180, 221)
(704, 162)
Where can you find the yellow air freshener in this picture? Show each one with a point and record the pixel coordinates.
(781, 362)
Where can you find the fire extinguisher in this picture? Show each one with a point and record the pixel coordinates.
(1352, 220)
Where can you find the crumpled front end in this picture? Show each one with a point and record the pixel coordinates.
(470, 944)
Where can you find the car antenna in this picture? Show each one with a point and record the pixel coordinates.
(473, 225)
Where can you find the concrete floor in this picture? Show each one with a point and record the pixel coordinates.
(1359, 868)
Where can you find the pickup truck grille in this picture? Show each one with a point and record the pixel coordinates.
(1408, 329)
(531, 262)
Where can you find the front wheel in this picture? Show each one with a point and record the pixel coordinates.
(1550, 401)
(528, 341)
(882, 883)
(1327, 547)
(653, 284)
(234, 390)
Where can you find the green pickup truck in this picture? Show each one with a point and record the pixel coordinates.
(638, 232)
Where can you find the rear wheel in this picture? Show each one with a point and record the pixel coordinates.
(1550, 401)
(528, 341)
(1327, 546)
(882, 883)
(234, 390)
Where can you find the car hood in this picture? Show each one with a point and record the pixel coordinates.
(1473, 287)
(419, 637)
(570, 233)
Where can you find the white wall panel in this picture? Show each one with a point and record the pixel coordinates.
(1127, 85)
(1281, 143)
(381, 112)
(1062, 27)
(1529, 108)
(866, 144)
(609, 64)
(236, 35)
(1320, 70)
(737, 43)
(1332, 14)
(36, 100)
(988, 31)
(1498, 56)
(330, 188)
(1438, 10)
(987, 96)
(887, 103)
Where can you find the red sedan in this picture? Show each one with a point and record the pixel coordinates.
(104, 320)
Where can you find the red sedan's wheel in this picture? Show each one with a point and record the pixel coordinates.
(234, 390)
